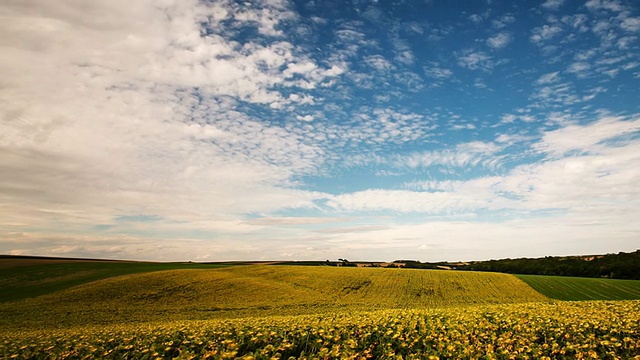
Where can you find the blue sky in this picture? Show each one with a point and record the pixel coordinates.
(275, 130)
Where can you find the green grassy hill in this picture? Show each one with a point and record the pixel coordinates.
(263, 290)
(25, 277)
(574, 288)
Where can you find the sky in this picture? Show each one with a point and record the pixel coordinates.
(311, 130)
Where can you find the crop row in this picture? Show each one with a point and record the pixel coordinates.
(608, 330)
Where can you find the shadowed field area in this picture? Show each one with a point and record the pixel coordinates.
(25, 277)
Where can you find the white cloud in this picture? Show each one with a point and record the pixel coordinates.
(383, 126)
(404, 201)
(552, 4)
(305, 117)
(580, 68)
(409, 80)
(405, 57)
(438, 72)
(464, 155)
(467, 126)
(631, 24)
(266, 18)
(474, 60)
(556, 94)
(548, 78)
(511, 118)
(591, 196)
(476, 18)
(510, 139)
(624, 42)
(610, 5)
(101, 118)
(577, 21)
(379, 63)
(499, 41)
(586, 138)
(603, 173)
(503, 21)
(508, 118)
(353, 229)
(293, 221)
(544, 33)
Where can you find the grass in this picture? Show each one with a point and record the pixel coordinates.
(575, 288)
(22, 278)
(261, 290)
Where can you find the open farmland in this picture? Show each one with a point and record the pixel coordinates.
(267, 312)
(261, 290)
(575, 288)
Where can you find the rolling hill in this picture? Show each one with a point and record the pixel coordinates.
(262, 290)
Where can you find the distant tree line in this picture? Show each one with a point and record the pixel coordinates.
(414, 264)
(614, 266)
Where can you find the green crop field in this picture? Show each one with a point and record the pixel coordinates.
(574, 288)
(22, 278)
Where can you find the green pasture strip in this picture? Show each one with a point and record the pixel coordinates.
(575, 288)
(22, 282)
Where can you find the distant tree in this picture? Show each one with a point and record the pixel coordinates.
(615, 266)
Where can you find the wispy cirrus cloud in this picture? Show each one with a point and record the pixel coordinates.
(589, 138)
(463, 155)
(603, 167)
(404, 201)
(548, 78)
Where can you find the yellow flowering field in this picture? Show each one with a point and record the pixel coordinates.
(537, 330)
